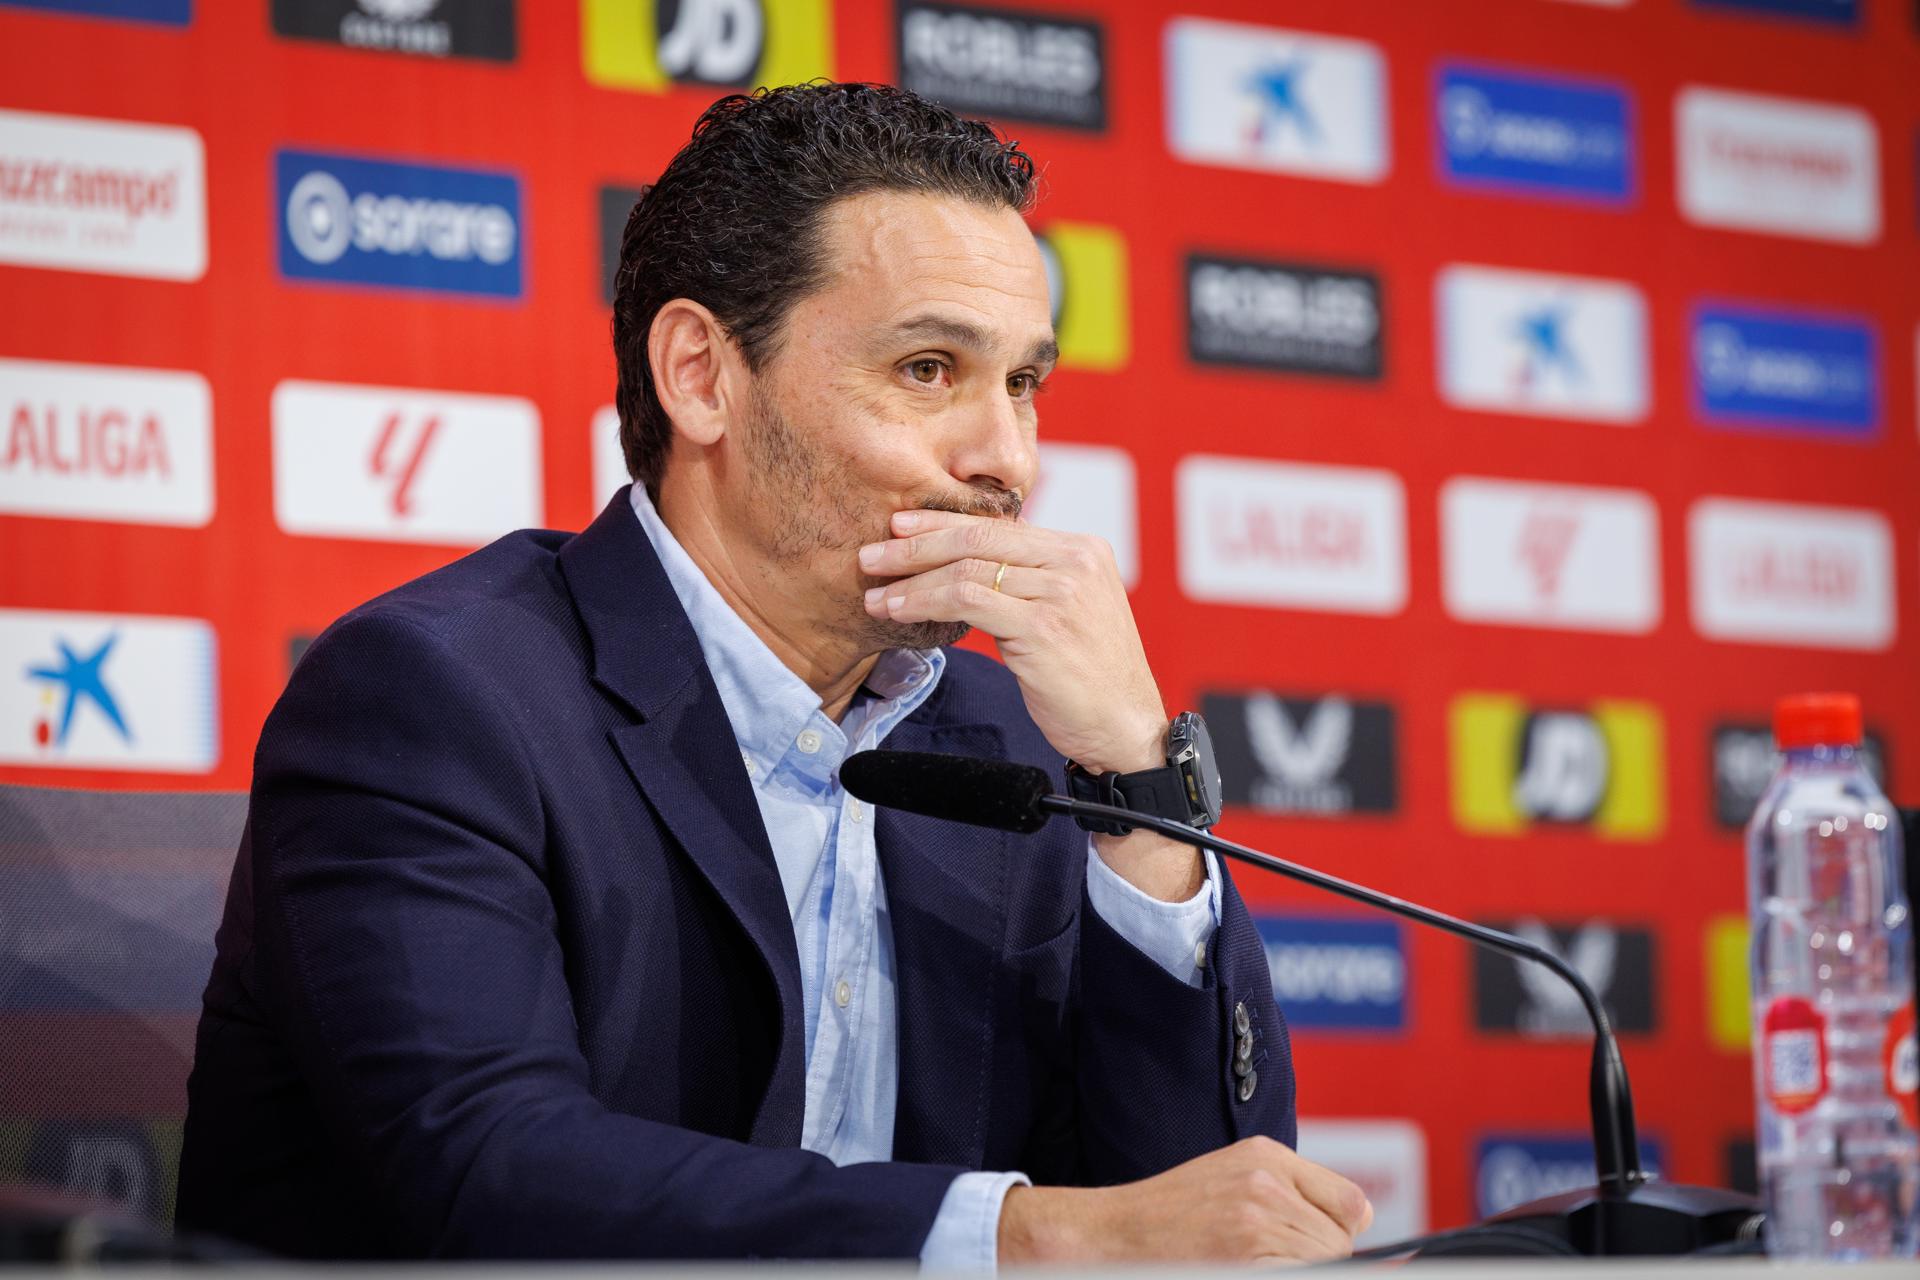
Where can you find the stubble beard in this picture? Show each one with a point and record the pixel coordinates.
(808, 517)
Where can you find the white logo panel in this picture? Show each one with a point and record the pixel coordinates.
(1782, 165)
(403, 465)
(1791, 574)
(99, 442)
(1262, 98)
(609, 462)
(100, 691)
(1087, 488)
(1550, 555)
(1387, 1159)
(1292, 535)
(102, 195)
(1558, 346)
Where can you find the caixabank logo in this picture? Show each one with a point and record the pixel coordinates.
(1516, 766)
(1087, 276)
(1516, 995)
(1542, 345)
(651, 45)
(358, 221)
(1786, 371)
(1531, 134)
(432, 28)
(1005, 65)
(1323, 756)
(1289, 317)
(1337, 973)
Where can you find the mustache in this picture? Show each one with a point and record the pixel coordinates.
(1004, 504)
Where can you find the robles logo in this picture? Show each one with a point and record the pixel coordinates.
(352, 220)
(1290, 317)
(1005, 65)
(653, 44)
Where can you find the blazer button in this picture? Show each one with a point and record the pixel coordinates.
(1241, 1022)
(1248, 1082)
(1243, 1049)
(1242, 1067)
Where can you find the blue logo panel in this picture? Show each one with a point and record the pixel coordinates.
(1535, 135)
(169, 13)
(1335, 973)
(1803, 373)
(348, 220)
(1510, 1169)
(1841, 13)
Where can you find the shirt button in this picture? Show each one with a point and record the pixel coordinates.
(747, 760)
(808, 741)
(843, 994)
(1200, 956)
(855, 810)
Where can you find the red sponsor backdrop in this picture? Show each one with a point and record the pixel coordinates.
(248, 92)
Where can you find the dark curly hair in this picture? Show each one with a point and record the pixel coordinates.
(734, 223)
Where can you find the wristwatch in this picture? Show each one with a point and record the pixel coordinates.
(1186, 789)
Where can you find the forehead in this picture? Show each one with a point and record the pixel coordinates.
(892, 256)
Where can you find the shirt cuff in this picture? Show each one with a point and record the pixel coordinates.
(1175, 935)
(966, 1231)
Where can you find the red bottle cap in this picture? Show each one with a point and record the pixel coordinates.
(1817, 720)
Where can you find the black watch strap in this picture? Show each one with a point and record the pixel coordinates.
(1161, 793)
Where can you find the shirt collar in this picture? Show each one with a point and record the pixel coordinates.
(766, 702)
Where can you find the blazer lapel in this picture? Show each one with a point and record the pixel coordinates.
(945, 886)
(684, 758)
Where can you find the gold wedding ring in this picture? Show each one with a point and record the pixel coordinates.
(999, 574)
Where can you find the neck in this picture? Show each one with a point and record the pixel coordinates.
(773, 602)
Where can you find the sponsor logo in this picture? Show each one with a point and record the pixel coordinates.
(1840, 13)
(102, 196)
(1303, 755)
(1537, 135)
(434, 28)
(129, 1163)
(1744, 762)
(1601, 766)
(100, 691)
(1779, 165)
(1089, 488)
(1335, 973)
(97, 442)
(651, 45)
(1005, 65)
(1550, 555)
(402, 465)
(1515, 1169)
(615, 204)
(1518, 995)
(1559, 346)
(609, 462)
(1292, 536)
(1087, 279)
(1294, 318)
(1782, 573)
(1742, 1165)
(350, 220)
(1387, 1159)
(1729, 1016)
(166, 13)
(1262, 98)
(1770, 368)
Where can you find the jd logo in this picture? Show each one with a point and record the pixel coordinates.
(1563, 767)
(1602, 765)
(1087, 282)
(653, 44)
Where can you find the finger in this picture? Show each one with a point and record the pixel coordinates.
(1014, 580)
(1305, 1230)
(1337, 1197)
(977, 539)
(994, 612)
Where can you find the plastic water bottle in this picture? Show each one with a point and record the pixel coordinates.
(1833, 1032)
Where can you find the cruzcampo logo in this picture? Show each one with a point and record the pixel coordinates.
(652, 45)
(1518, 768)
(1087, 275)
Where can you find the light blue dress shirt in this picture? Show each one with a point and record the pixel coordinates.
(823, 843)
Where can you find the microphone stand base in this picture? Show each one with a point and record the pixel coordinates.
(1651, 1218)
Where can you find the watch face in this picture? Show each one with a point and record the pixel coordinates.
(1205, 770)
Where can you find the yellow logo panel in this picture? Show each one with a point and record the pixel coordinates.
(720, 43)
(1729, 984)
(1516, 767)
(1087, 271)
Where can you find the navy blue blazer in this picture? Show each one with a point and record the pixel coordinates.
(506, 968)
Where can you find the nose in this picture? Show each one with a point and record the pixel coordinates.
(995, 447)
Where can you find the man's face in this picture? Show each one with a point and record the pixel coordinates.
(907, 381)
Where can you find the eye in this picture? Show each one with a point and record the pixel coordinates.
(927, 371)
(1025, 386)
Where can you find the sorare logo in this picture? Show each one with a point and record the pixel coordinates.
(1517, 766)
(1288, 317)
(164, 13)
(1005, 65)
(352, 220)
(1785, 370)
(735, 44)
(1535, 135)
(431, 28)
(1334, 973)
(1324, 756)
(1516, 1169)
(1839, 13)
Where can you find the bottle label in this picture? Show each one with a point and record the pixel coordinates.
(1903, 1065)
(1793, 1049)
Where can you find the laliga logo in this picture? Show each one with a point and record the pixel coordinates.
(717, 41)
(324, 222)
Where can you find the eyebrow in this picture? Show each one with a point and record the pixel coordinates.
(961, 333)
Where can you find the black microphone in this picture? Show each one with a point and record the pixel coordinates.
(1628, 1215)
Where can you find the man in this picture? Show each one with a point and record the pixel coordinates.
(553, 933)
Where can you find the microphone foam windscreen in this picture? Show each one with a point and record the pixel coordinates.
(982, 793)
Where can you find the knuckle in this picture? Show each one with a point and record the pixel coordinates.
(976, 537)
(971, 594)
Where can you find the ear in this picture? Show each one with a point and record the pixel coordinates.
(693, 364)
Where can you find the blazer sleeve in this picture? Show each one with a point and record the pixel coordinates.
(406, 939)
(1155, 1057)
